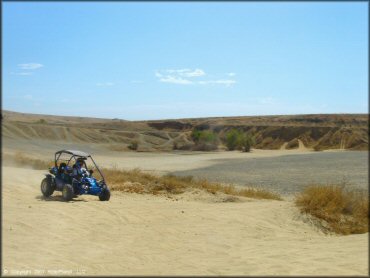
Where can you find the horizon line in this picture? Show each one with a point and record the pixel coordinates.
(189, 118)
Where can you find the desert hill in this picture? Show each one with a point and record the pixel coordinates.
(318, 131)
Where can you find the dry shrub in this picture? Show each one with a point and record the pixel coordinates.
(140, 182)
(345, 211)
(259, 194)
(131, 187)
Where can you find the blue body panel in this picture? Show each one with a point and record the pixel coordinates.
(87, 185)
(94, 188)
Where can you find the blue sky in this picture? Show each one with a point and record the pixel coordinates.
(140, 61)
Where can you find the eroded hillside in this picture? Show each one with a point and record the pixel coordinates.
(320, 132)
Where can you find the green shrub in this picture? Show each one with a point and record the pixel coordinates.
(195, 135)
(246, 142)
(205, 140)
(232, 139)
(238, 140)
(208, 136)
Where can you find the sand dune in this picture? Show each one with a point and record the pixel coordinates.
(151, 235)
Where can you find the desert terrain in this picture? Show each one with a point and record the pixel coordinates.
(195, 233)
(320, 132)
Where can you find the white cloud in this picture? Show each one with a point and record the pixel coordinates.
(186, 72)
(179, 76)
(172, 76)
(194, 73)
(227, 82)
(30, 66)
(175, 80)
(189, 76)
(231, 74)
(105, 84)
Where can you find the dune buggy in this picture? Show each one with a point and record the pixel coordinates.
(65, 177)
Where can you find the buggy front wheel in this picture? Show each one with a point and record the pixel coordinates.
(67, 192)
(47, 188)
(104, 195)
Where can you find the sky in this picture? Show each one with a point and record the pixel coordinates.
(163, 60)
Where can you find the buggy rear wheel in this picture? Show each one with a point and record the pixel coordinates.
(47, 187)
(104, 195)
(67, 192)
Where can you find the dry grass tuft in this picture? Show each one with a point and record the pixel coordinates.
(140, 182)
(345, 211)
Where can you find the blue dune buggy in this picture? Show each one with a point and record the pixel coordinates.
(76, 179)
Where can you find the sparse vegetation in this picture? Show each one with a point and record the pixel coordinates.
(345, 211)
(238, 140)
(204, 136)
(134, 145)
(232, 139)
(140, 182)
(195, 135)
(246, 142)
(205, 140)
(41, 121)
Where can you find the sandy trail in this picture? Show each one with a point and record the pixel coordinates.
(148, 235)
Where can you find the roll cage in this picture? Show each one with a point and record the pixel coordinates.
(74, 155)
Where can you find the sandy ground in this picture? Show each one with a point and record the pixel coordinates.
(151, 235)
